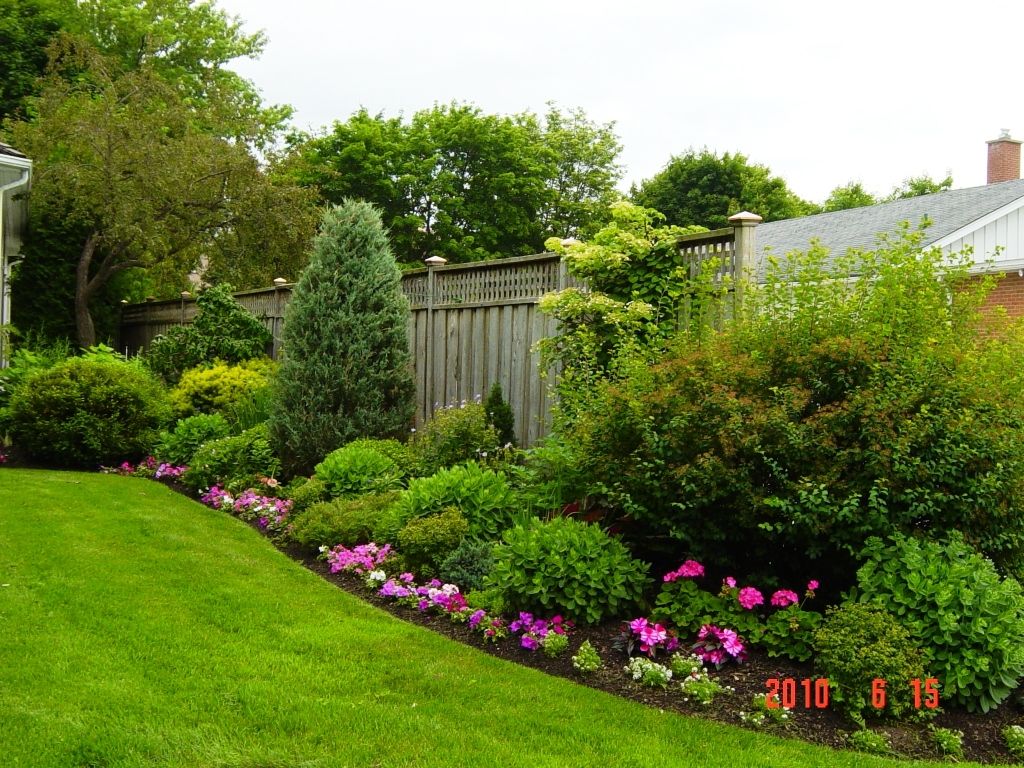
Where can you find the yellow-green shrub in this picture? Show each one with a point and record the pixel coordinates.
(216, 388)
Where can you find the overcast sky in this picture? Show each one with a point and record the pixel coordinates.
(822, 93)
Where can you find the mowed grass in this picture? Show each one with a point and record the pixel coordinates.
(139, 628)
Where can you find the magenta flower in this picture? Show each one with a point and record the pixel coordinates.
(729, 582)
(652, 635)
(812, 585)
(691, 569)
(637, 625)
(749, 597)
(407, 578)
(476, 617)
(784, 597)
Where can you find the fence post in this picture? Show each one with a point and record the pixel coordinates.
(428, 406)
(745, 255)
(278, 321)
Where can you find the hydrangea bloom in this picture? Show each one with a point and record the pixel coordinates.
(784, 597)
(750, 597)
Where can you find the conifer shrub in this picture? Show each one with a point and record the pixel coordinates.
(500, 416)
(223, 330)
(346, 371)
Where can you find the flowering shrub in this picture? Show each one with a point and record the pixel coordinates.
(269, 512)
(148, 467)
(359, 560)
(718, 646)
(1014, 736)
(587, 659)
(651, 637)
(691, 569)
(554, 645)
(694, 680)
(648, 672)
(535, 631)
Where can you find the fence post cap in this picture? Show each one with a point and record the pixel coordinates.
(745, 219)
(435, 261)
(186, 295)
(279, 281)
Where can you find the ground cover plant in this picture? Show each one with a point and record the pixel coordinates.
(181, 638)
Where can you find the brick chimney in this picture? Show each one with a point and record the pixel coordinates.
(1003, 158)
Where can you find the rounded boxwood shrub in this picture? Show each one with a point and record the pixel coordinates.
(180, 445)
(481, 495)
(358, 468)
(304, 493)
(968, 620)
(82, 413)
(221, 387)
(426, 542)
(859, 643)
(236, 462)
(565, 566)
(342, 521)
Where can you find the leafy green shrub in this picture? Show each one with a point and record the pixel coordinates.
(859, 643)
(304, 493)
(550, 477)
(346, 370)
(393, 449)
(236, 462)
(82, 413)
(220, 387)
(949, 742)
(454, 435)
(587, 660)
(223, 330)
(554, 645)
(355, 469)
(180, 445)
(500, 416)
(872, 742)
(565, 566)
(251, 410)
(468, 565)
(27, 361)
(855, 399)
(967, 619)
(342, 521)
(491, 600)
(481, 495)
(1014, 736)
(425, 542)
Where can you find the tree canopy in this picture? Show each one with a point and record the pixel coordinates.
(853, 194)
(704, 189)
(456, 182)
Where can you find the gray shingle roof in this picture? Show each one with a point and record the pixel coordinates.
(859, 227)
(7, 149)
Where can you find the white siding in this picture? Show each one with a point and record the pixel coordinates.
(1006, 232)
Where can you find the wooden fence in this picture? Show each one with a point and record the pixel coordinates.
(470, 325)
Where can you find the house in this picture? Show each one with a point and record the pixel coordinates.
(15, 175)
(990, 219)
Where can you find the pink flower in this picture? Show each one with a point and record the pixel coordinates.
(652, 635)
(812, 585)
(638, 625)
(750, 597)
(729, 582)
(691, 569)
(785, 597)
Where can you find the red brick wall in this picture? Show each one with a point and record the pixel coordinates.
(1003, 161)
(1009, 294)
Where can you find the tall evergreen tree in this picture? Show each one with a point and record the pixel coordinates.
(346, 371)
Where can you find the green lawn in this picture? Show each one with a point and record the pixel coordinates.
(139, 628)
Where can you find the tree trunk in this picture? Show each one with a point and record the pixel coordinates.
(83, 293)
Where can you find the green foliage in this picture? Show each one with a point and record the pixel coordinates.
(481, 495)
(454, 435)
(500, 416)
(179, 445)
(564, 566)
(916, 186)
(587, 660)
(252, 409)
(468, 565)
(236, 462)
(789, 632)
(346, 368)
(26, 28)
(859, 643)
(358, 468)
(394, 450)
(342, 521)
(461, 184)
(426, 542)
(223, 330)
(85, 412)
(222, 387)
(686, 606)
(950, 742)
(841, 407)
(28, 360)
(649, 673)
(967, 619)
(872, 742)
(852, 195)
(554, 645)
(550, 476)
(1014, 736)
(304, 493)
(705, 189)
